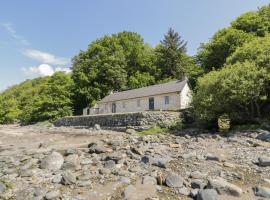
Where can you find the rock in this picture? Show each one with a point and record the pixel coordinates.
(207, 194)
(84, 183)
(109, 164)
(97, 127)
(95, 148)
(68, 178)
(183, 190)
(197, 175)
(262, 192)
(130, 131)
(264, 136)
(52, 162)
(70, 151)
(264, 161)
(161, 162)
(57, 178)
(147, 159)
(149, 180)
(198, 183)
(210, 156)
(125, 180)
(2, 188)
(72, 162)
(194, 192)
(116, 157)
(174, 180)
(224, 187)
(52, 195)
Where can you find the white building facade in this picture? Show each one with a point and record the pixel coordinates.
(172, 96)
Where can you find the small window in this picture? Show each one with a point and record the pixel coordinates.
(138, 103)
(106, 106)
(124, 105)
(167, 100)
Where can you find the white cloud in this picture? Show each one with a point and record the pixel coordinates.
(45, 57)
(43, 70)
(13, 33)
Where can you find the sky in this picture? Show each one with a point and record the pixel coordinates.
(38, 38)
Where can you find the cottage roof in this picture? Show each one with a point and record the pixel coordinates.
(173, 86)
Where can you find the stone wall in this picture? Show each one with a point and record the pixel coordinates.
(137, 120)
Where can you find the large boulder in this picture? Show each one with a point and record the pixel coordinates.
(264, 136)
(52, 162)
(224, 188)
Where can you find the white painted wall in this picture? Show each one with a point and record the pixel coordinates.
(177, 101)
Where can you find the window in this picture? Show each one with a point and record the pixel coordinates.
(138, 103)
(106, 106)
(167, 100)
(124, 105)
(88, 111)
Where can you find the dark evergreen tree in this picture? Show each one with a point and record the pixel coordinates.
(169, 54)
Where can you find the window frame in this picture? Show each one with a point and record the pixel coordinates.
(166, 100)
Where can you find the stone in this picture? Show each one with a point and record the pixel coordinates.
(210, 156)
(161, 162)
(125, 180)
(72, 162)
(116, 157)
(264, 161)
(52, 162)
(86, 161)
(194, 192)
(207, 194)
(262, 192)
(147, 159)
(198, 183)
(70, 151)
(57, 178)
(224, 187)
(109, 164)
(2, 188)
(97, 127)
(264, 136)
(149, 180)
(174, 180)
(95, 148)
(184, 191)
(68, 178)
(130, 131)
(197, 175)
(52, 195)
(84, 183)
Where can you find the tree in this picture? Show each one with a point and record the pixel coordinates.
(169, 55)
(239, 90)
(213, 55)
(111, 63)
(256, 51)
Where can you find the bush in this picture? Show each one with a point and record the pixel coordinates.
(224, 123)
(240, 90)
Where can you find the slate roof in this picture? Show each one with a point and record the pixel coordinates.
(173, 86)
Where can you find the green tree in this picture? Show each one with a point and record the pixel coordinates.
(239, 90)
(169, 55)
(213, 55)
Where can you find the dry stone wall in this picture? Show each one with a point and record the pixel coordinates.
(138, 120)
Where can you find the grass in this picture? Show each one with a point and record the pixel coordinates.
(250, 127)
(44, 124)
(154, 130)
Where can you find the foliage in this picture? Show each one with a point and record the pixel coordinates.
(212, 55)
(112, 63)
(169, 55)
(238, 90)
(37, 100)
(177, 126)
(154, 130)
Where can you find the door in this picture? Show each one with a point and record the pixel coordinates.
(113, 108)
(151, 103)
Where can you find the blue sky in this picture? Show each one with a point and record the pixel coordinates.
(40, 37)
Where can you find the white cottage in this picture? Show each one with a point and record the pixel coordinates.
(174, 95)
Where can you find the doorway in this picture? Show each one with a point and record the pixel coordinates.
(151, 103)
(113, 108)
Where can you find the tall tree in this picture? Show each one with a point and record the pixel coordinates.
(169, 55)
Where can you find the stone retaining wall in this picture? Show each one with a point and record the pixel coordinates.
(137, 120)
